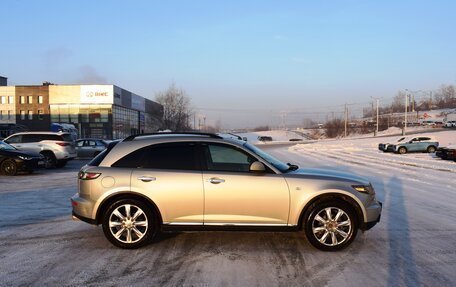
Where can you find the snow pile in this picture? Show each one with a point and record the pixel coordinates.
(277, 136)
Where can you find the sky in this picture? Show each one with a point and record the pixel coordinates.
(242, 63)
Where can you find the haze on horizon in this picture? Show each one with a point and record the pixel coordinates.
(243, 63)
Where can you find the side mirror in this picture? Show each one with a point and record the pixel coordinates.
(257, 167)
(244, 139)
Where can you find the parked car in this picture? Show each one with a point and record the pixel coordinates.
(13, 161)
(57, 148)
(448, 152)
(384, 146)
(450, 124)
(265, 138)
(199, 181)
(90, 147)
(415, 144)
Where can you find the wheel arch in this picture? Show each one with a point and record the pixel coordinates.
(126, 195)
(334, 196)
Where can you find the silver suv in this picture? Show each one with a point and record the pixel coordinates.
(195, 181)
(57, 148)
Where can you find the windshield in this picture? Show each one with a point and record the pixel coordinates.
(267, 157)
(5, 146)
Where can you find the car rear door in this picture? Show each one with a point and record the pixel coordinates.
(169, 174)
(236, 196)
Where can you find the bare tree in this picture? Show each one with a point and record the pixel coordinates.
(176, 108)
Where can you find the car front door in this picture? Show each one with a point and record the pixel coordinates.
(169, 174)
(235, 196)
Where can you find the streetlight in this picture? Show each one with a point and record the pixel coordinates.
(376, 129)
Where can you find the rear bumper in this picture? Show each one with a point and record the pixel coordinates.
(82, 209)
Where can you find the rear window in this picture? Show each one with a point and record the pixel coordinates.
(100, 157)
(67, 137)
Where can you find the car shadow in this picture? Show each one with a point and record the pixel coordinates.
(402, 264)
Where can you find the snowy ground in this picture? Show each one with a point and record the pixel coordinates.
(413, 245)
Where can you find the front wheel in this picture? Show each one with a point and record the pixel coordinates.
(331, 226)
(129, 224)
(8, 167)
(402, 150)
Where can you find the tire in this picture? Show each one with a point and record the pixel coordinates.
(431, 149)
(61, 163)
(118, 225)
(8, 167)
(402, 150)
(49, 159)
(322, 230)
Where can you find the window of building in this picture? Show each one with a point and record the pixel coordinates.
(22, 115)
(10, 115)
(40, 114)
(40, 99)
(3, 100)
(30, 99)
(1, 115)
(30, 115)
(22, 100)
(11, 99)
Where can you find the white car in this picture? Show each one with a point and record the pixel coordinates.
(57, 148)
(450, 124)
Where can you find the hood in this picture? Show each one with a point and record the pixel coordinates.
(332, 174)
(20, 152)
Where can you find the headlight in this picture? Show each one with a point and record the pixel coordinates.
(24, 157)
(367, 189)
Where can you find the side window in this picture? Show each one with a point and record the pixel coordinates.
(15, 139)
(181, 156)
(226, 158)
(31, 138)
(80, 143)
(92, 143)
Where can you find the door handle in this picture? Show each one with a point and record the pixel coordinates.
(216, 180)
(146, 178)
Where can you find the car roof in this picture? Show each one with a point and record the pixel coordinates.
(41, 133)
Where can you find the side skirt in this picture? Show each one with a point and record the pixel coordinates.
(167, 227)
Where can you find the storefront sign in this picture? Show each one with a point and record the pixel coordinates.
(97, 94)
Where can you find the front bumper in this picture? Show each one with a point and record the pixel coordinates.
(374, 211)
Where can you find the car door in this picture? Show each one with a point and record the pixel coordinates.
(80, 147)
(170, 175)
(414, 145)
(235, 196)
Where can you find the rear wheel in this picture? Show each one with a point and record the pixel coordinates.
(129, 223)
(8, 167)
(49, 159)
(330, 226)
(431, 149)
(61, 163)
(402, 150)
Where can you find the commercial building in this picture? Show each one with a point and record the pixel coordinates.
(101, 111)
(3, 81)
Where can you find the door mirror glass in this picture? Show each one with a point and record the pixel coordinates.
(257, 167)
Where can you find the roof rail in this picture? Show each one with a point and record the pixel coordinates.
(132, 137)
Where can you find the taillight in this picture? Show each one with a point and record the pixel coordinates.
(88, 175)
(64, 144)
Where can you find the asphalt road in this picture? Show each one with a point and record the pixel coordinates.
(41, 246)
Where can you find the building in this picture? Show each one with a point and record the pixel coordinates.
(101, 111)
(3, 81)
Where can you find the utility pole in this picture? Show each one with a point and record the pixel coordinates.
(404, 131)
(376, 122)
(376, 133)
(346, 119)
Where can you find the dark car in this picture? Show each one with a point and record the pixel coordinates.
(265, 138)
(90, 147)
(448, 152)
(13, 161)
